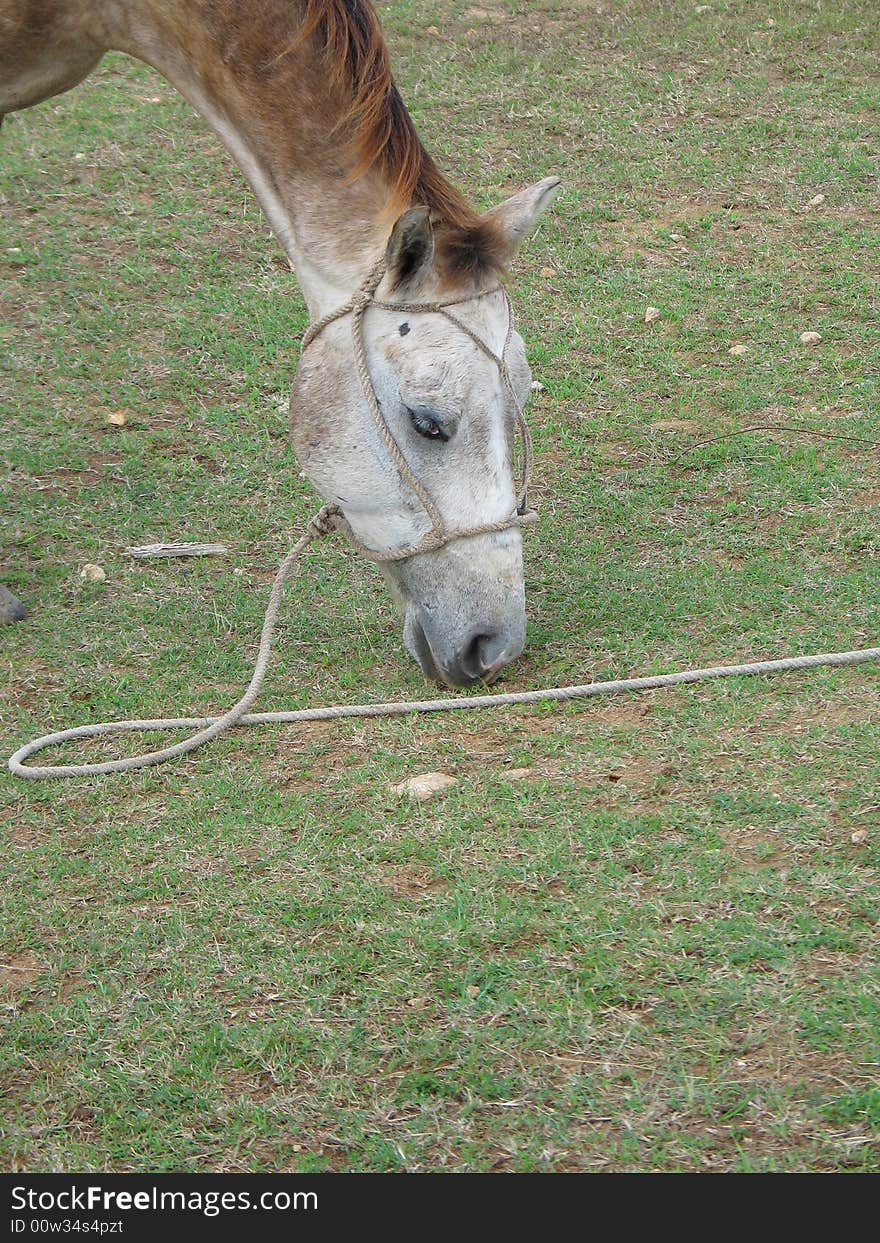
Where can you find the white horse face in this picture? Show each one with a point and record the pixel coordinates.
(451, 415)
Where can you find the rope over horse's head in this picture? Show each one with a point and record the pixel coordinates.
(409, 428)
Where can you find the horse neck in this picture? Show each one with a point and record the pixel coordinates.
(275, 112)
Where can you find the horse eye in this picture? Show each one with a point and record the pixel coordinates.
(427, 426)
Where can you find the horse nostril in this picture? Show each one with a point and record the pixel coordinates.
(482, 656)
(474, 662)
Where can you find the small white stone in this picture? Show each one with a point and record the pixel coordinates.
(537, 386)
(738, 350)
(425, 785)
(652, 314)
(811, 338)
(92, 573)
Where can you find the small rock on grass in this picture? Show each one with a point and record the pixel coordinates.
(816, 201)
(652, 314)
(425, 785)
(738, 350)
(92, 573)
(811, 338)
(859, 837)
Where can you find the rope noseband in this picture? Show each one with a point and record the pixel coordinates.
(357, 306)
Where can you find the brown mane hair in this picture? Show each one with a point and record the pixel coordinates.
(382, 134)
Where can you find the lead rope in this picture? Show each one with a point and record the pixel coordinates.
(209, 727)
(329, 519)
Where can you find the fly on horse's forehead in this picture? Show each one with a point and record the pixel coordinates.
(301, 94)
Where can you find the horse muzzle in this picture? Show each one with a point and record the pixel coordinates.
(477, 655)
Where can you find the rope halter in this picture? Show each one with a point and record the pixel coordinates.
(357, 306)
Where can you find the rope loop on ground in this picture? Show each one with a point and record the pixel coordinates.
(330, 518)
(208, 728)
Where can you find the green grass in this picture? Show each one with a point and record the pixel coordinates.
(656, 948)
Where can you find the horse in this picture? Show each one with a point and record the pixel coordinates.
(302, 95)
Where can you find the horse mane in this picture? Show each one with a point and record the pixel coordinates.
(382, 134)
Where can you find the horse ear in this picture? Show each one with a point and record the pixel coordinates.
(409, 254)
(518, 216)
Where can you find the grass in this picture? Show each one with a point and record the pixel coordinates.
(635, 935)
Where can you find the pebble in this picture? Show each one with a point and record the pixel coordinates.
(92, 573)
(811, 338)
(652, 314)
(425, 785)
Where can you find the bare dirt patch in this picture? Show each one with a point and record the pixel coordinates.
(627, 713)
(409, 881)
(65, 481)
(17, 971)
(830, 715)
(753, 847)
(868, 499)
